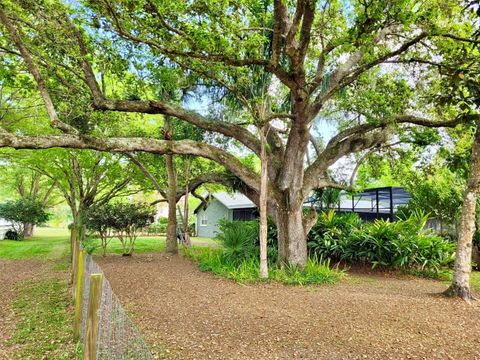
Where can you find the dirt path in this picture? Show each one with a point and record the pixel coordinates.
(13, 273)
(199, 316)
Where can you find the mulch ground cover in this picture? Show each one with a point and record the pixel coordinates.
(194, 315)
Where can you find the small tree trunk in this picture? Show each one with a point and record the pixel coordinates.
(186, 230)
(461, 277)
(171, 242)
(28, 230)
(263, 206)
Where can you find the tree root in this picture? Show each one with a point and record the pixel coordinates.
(461, 292)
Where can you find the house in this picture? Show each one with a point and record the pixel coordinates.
(4, 227)
(223, 205)
(371, 204)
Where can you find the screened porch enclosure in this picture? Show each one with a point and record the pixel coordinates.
(377, 203)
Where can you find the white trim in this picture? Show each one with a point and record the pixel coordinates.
(203, 220)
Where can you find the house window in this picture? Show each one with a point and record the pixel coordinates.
(203, 220)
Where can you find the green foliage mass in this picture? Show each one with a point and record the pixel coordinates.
(213, 260)
(240, 240)
(403, 244)
(23, 211)
(238, 257)
(125, 220)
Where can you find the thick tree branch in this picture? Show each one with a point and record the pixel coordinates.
(123, 145)
(158, 107)
(399, 119)
(342, 148)
(348, 72)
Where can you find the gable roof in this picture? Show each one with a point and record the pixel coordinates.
(231, 201)
(234, 201)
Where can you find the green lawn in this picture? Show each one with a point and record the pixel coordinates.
(146, 244)
(475, 280)
(48, 243)
(53, 243)
(44, 328)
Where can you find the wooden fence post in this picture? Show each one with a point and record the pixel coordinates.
(95, 296)
(77, 321)
(76, 249)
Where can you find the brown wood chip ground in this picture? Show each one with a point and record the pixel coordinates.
(199, 316)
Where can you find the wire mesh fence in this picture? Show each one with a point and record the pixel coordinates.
(118, 337)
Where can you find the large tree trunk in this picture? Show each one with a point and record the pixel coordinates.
(461, 277)
(171, 242)
(292, 243)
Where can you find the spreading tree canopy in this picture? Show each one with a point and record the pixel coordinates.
(287, 65)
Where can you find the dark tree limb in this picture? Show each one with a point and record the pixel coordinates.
(123, 145)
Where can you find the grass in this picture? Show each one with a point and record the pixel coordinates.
(247, 271)
(144, 245)
(53, 244)
(475, 281)
(48, 243)
(44, 328)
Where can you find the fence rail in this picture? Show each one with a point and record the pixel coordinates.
(115, 336)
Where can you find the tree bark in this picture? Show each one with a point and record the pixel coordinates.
(171, 242)
(263, 206)
(186, 232)
(460, 286)
(28, 230)
(292, 244)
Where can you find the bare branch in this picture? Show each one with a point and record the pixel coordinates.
(147, 173)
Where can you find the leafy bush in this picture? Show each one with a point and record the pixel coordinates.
(124, 220)
(247, 270)
(12, 235)
(127, 220)
(100, 219)
(22, 212)
(316, 271)
(402, 244)
(240, 240)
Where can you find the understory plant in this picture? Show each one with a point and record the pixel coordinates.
(247, 270)
(240, 240)
(122, 220)
(403, 244)
(238, 257)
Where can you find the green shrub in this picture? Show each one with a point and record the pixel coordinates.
(123, 220)
(316, 272)
(332, 236)
(12, 235)
(240, 240)
(402, 244)
(214, 260)
(22, 212)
